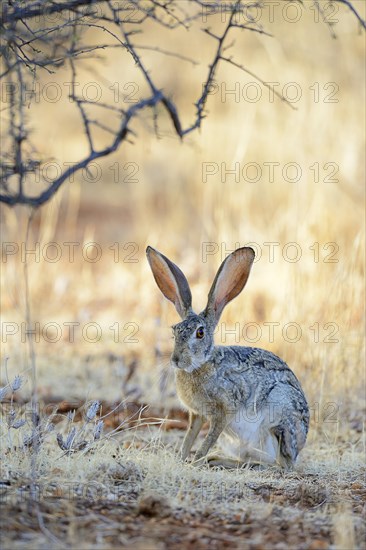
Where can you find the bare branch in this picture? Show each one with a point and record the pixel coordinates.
(56, 184)
(13, 13)
(32, 45)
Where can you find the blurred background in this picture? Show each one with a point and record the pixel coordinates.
(290, 181)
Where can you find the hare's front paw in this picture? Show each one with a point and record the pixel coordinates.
(199, 459)
(184, 457)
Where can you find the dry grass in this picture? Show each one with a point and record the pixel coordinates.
(146, 498)
(135, 495)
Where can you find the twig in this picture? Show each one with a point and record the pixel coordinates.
(47, 532)
(354, 11)
(32, 356)
(241, 67)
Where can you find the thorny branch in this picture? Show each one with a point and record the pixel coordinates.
(32, 43)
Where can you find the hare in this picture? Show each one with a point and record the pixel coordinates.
(250, 397)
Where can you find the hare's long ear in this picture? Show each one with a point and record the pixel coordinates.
(229, 281)
(171, 281)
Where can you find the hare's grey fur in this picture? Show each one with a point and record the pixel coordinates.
(251, 397)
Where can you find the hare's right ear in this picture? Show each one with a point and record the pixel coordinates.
(171, 281)
(229, 282)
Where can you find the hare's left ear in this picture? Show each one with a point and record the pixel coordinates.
(229, 282)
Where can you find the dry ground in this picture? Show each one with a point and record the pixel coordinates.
(138, 495)
(130, 490)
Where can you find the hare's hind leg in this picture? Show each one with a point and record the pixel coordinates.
(195, 425)
(233, 463)
(224, 462)
(253, 445)
(289, 423)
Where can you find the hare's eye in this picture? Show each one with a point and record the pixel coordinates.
(200, 332)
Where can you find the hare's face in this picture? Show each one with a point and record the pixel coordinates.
(193, 343)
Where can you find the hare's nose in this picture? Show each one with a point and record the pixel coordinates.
(174, 359)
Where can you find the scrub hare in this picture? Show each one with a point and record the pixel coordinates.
(249, 395)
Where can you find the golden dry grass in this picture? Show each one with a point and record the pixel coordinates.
(171, 208)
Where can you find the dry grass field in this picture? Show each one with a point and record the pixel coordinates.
(102, 327)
